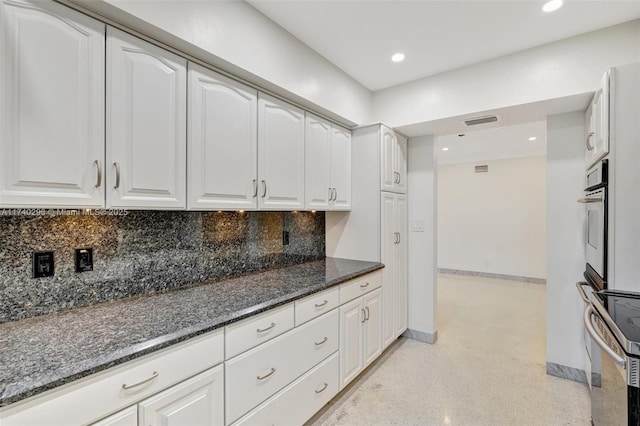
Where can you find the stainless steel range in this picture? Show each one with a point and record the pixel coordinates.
(612, 319)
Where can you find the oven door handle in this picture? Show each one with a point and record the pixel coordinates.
(617, 359)
(590, 200)
(583, 295)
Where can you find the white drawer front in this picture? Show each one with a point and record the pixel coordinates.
(317, 304)
(256, 375)
(257, 329)
(295, 404)
(93, 397)
(359, 286)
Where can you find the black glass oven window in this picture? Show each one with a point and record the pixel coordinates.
(592, 228)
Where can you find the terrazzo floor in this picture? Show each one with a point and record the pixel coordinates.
(487, 367)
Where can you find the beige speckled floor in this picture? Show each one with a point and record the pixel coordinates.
(487, 368)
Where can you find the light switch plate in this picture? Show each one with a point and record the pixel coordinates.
(417, 226)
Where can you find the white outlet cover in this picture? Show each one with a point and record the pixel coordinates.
(417, 226)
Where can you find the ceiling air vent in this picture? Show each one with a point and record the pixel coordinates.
(482, 169)
(481, 120)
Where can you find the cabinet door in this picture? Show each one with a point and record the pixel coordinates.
(194, 402)
(280, 154)
(352, 316)
(126, 417)
(400, 161)
(388, 146)
(388, 238)
(372, 341)
(222, 142)
(400, 265)
(146, 124)
(51, 106)
(598, 125)
(341, 168)
(318, 141)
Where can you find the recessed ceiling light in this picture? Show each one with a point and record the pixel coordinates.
(398, 57)
(532, 138)
(552, 5)
(445, 149)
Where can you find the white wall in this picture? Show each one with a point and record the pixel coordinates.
(567, 67)
(422, 262)
(237, 38)
(493, 222)
(565, 238)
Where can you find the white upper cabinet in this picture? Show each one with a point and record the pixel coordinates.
(318, 141)
(597, 124)
(222, 142)
(281, 129)
(146, 125)
(394, 161)
(51, 106)
(327, 165)
(341, 168)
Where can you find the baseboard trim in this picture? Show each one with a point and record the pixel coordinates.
(421, 336)
(566, 372)
(492, 275)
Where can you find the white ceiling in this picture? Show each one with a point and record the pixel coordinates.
(493, 144)
(360, 36)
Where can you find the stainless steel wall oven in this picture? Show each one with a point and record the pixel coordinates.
(596, 237)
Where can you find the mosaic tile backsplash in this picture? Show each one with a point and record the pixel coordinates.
(144, 252)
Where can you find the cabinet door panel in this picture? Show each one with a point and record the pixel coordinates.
(318, 141)
(341, 168)
(51, 117)
(280, 154)
(387, 146)
(400, 265)
(146, 124)
(388, 238)
(351, 350)
(126, 417)
(400, 160)
(222, 142)
(195, 402)
(372, 326)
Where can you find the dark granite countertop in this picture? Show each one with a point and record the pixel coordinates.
(44, 352)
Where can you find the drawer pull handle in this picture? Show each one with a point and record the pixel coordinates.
(323, 388)
(273, 370)
(364, 285)
(262, 330)
(322, 341)
(320, 305)
(153, 376)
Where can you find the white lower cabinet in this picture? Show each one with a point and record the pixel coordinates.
(126, 417)
(95, 396)
(195, 402)
(299, 401)
(360, 335)
(256, 375)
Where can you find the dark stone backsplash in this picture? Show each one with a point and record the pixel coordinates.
(144, 252)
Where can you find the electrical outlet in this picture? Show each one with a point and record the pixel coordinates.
(285, 238)
(42, 263)
(84, 259)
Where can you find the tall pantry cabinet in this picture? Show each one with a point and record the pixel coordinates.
(376, 228)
